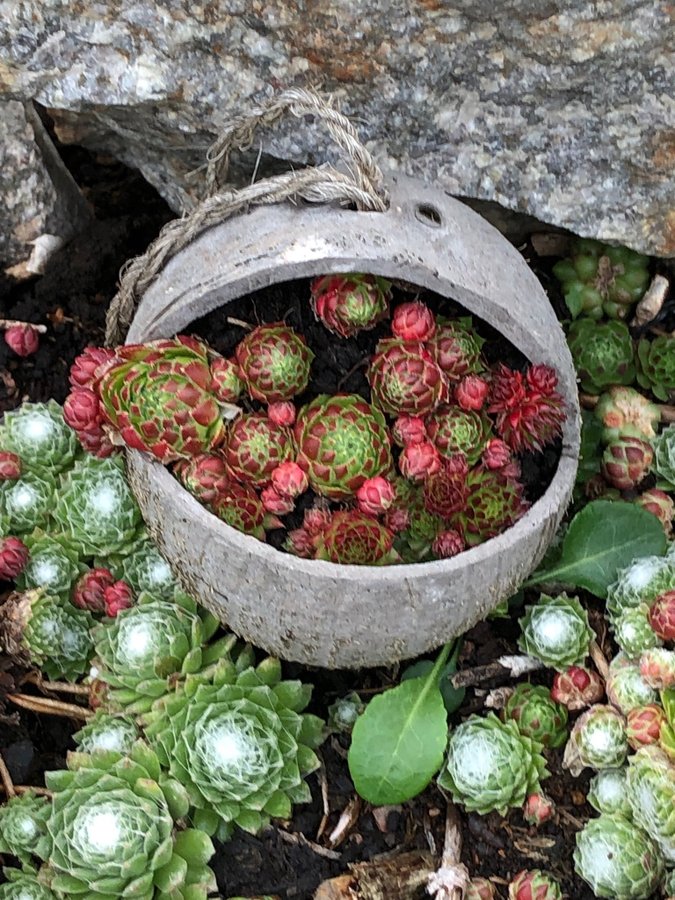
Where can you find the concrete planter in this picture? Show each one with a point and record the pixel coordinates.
(321, 613)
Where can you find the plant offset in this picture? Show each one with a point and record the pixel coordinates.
(425, 463)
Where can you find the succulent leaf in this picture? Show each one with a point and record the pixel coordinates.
(23, 827)
(38, 435)
(556, 631)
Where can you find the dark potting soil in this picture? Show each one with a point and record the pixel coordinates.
(71, 299)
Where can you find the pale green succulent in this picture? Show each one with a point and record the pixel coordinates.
(651, 792)
(143, 652)
(95, 507)
(52, 565)
(626, 688)
(618, 860)
(240, 743)
(556, 632)
(664, 458)
(342, 714)
(490, 765)
(113, 832)
(37, 433)
(598, 740)
(27, 501)
(107, 732)
(24, 884)
(146, 570)
(640, 583)
(633, 633)
(537, 715)
(607, 793)
(23, 826)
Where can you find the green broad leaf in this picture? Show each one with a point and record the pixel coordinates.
(399, 741)
(601, 539)
(452, 697)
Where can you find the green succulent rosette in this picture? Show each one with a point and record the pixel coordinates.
(23, 827)
(27, 502)
(626, 688)
(109, 733)
(24, 884)
(37, 433)
(146, 571)
(664, 458)
(145, 650)
(603, 354)
(656, 365)
(53, 565)
(240, 743)
(537, 715)
(453, 430)
(618, 860)
(651, 793)
(607, 793)
(113, 832)
(640, 583)
(491, 766)
(556, 631)
(625, 412)
(95, 508)
(633, 633)
(598, 740)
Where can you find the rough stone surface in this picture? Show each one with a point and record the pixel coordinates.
(563, 110)
(41, 206)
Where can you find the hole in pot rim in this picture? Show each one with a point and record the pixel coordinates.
(428, 215)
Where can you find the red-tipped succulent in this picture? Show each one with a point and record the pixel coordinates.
(529, 411)
(83, 369)
(497, 454)
(10, 466)
(282, 413)
(375, 496)
(446, 492)
(577, 688)
(413, 322)
(316, 519)
(419, 461)
(472, 392)
(405, 379)
(480, 889)
(116, 597)
(255, 447)
(644, 725)
(289, 480)
(453, 430)
(447, 544)
(90, 588)
(493, 504)
(659, 504)
(240, 506)
(23, 339)
(226, 380)
(275, 362)
(409, 430)
(626, 461)
(276, 503)
(457, 348)
(353, 538)
(13, 558)
(538, 809)
(662, 616)
(533, 884)
(204, 475)
(82, 410)
(347, 304)
(300, 542)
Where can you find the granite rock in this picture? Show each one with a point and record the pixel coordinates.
(561, 110)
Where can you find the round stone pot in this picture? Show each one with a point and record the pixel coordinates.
(316, 612)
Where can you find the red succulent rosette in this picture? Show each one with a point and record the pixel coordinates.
(405, 379)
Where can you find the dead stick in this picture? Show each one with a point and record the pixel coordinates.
(505, 668)
(588, 401)
(50, 707)
(12, 323)
(600, 661)
(80, 690)
(449, 882)
(297, 837)
(7, 782)
(29, 789)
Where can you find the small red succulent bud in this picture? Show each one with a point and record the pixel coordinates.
(577, 688)
(448, 543)
(644, 725)
(659, 504)
(538, 808)
(413, 321)
(289, 480)
(446, 491)
(541, 379)
(497, 454)
(409, 430)
(116, 597)
(96, 442)
(418, 461)
(480, 889)
(300, 542)
(89, 590)
(397, 519)
(533, 884)
(375, 496)
(13, 558)
(662, 616)
(226, 379)
(82, 410)
(274, 502)
(23, 339)
(281, 413)
(10, 466)
(83, 369)
(471, 392)
(316, 520)
(626, 461)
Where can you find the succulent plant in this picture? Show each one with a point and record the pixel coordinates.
(113, 831)
(10, 466)
(528, 409)
(480, 889)
(52, 565)
(494, 503)
(342, 441)
(603, 354)
(354, 538)
(282, 413)
(23, 338)
(656, 365)
(375, 496)
(405, 379)
(53, 633)
(23, 826)
(275, 503)
(577, 688)
(537, 715)
(419, 461)
(496, 454)
(116, 597)
(651, 792)
(255, 447)
(626, 461)
(414, 543)
(413, 322)
(664, 458)
(144, 569)
(446, 491)
(640, 583)
(349, 303)
(657, 667)
(150, 647)
(617, 859)
(204, 475)
(289, 480)
(447, 544)
(644, 724)
(226, 380)
(456, 347)
(533, 884)
(669, 884)
(241, 508)
(109, 733)
(600, 279)
(556, 631)
(453, 430)
(538, 809)
(625, 412)
(598, 740)
(607, 792)
(490, 765)
(240, 744)
(95, 507)
(343, 714)
(37, 433)
(633, 633)
(13, 557)
(275, 362)
(83, 411)
(84, 368)
(626, 689)
(471, 393)
(158, 398)
(89, 590)
(660, 505)
(27, 501)
(662, 616)
(409, 430)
